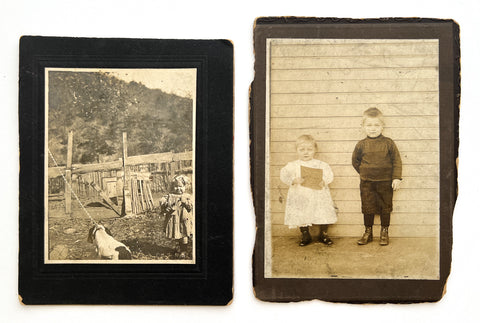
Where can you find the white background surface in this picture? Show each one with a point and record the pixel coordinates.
(234, 21)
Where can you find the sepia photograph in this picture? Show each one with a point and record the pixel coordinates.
(119, 139)
(366, 113)
(355, 140)
(120, 167)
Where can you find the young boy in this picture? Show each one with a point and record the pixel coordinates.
(377, 160)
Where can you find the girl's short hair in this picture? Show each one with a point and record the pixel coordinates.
(373, 113)
(306, 139)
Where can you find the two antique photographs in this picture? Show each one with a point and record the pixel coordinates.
(127, 161)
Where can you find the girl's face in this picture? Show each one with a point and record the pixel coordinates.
(373, 127)
(306, 151)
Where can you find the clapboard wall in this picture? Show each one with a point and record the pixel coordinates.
(321, 88)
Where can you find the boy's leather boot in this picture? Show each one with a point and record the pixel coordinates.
(306, 237)
(367, 236)
(384, 236)
(324, 238)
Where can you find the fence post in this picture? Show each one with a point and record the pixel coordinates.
(127, 201)
(68, 175)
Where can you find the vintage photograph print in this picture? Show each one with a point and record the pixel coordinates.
(126, 149)
(326, 94)
(120, 176)
(355, 155)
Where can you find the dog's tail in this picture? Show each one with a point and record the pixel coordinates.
(123, 253)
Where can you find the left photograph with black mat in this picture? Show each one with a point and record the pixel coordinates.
(116, 158)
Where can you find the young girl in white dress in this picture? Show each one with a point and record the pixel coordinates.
(308, 206)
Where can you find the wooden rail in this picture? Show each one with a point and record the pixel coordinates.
(117, 165)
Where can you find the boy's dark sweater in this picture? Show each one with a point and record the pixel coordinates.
(377, 159)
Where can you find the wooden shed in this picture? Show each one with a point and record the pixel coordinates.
(321, 87)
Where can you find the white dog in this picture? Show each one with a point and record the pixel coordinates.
(106, 246)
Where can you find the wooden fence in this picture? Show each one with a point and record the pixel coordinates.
(154, 169)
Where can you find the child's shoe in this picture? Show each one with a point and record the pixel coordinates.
(324, 238)
(367, 236)
(306, 237)
(384, 236)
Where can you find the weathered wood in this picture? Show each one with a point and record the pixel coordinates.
(373, 61)
(150, 197)
(105, 197)
(331, 146)
(355, 134)
(357, 218)
(356, 206)
(380, 73)
(351, 182)
(354, 98)
(352, 122)
(68, 191)
(408, 158)
(339, 230)
(118, 165)
(364, 42)
(127, 199)
(322, 87)
(348, 171)
(354, 49)
(141, 196)
(308, 86)
(354, 110)
(68, 175)
(353, 194)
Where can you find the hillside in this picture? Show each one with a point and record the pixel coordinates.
(98, 107)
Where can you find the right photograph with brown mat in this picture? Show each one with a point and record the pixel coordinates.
(354, 128)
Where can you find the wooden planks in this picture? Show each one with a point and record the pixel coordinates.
(117, 165)
(317, 86)
(356, 206)
(349, 62)
(356, 134)
(354, 48)
(345, 158)
(351, 97)
(322, 87)
(379, 73)
(349, 110)
(407, 171)
(357, 218)
(332, 146)
(350, 194)
(408, 182)
(352, 122)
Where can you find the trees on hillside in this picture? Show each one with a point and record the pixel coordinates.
(98, 107)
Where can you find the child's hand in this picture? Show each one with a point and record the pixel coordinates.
(396, 184)
(298, 180)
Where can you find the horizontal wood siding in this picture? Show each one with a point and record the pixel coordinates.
(322, 87)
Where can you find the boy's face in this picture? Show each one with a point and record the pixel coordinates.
(373, 127)
(306, 151)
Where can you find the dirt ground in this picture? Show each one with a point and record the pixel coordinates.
(403, 258)
(144, 234)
